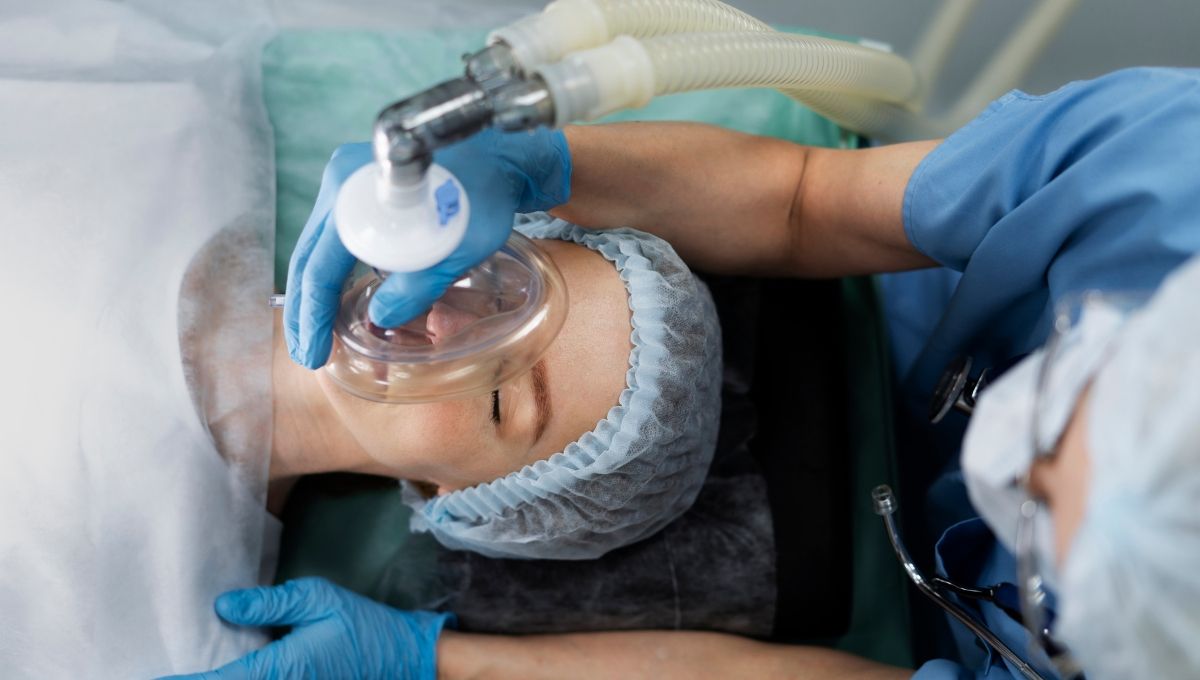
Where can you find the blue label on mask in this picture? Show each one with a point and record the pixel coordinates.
(447, 201)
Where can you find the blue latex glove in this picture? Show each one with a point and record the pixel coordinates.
(502, 173)
(335, 634)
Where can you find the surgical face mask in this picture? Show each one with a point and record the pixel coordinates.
(998, 450)
(1129, 588)
(1127, 591)
(1039, 401)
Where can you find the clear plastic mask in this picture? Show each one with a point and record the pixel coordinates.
(493, 324)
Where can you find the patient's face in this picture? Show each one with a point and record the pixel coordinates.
(456, 444)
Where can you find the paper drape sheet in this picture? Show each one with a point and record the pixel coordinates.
(137, 179)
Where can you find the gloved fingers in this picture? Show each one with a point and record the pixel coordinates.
(344, 161)
(485, 235)
(532, 167)
(404, 296)
(296, 602)
(320, 295)
(297, 264)
(546, 161)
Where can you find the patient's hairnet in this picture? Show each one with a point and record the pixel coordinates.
(644, 463)
(1130, 590)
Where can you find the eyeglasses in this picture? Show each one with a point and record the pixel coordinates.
(1061, 379)
(1073, 355)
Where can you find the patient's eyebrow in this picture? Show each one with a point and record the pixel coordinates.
(541, 398)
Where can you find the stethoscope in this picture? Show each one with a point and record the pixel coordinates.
(937, 589)
(956, 390)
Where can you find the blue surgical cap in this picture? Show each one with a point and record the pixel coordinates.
(1129, 595)
(644, 463)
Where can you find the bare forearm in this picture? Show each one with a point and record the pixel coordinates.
(688, 183)
(659, 655)
(737, 203)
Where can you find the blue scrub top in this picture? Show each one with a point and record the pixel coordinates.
(1093, 186)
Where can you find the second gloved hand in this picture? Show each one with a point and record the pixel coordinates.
(335, 634)
(502, 173)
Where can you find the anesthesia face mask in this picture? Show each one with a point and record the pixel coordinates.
(491, 325)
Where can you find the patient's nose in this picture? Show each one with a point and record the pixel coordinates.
(445, 321)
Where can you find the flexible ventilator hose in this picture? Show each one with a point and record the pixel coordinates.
(687, 62)
(599, 56)
(858, 87)
(648, 18)
(566, 26)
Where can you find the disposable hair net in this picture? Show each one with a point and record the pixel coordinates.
(644, 463)
(1130, 590)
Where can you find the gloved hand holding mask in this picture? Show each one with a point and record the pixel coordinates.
(335, 634)
(502, 173)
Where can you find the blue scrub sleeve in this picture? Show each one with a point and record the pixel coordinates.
(1094, 185)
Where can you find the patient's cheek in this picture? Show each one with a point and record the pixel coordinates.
(412, 439)
(438, 424)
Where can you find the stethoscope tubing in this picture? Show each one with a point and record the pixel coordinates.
(885, 506)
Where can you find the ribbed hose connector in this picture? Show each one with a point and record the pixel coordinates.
(683, 63)
(649, 18)
(860, 88)
(567, 26)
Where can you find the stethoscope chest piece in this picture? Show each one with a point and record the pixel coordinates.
(956, 389)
